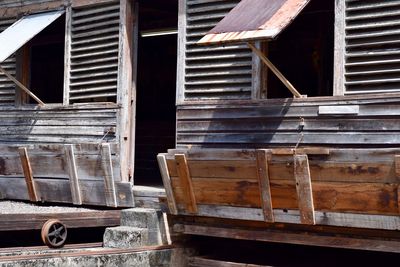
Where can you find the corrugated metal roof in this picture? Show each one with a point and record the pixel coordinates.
(255, 19)
(18, 34)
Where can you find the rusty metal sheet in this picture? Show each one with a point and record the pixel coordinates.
(255, 19)
(18, 34)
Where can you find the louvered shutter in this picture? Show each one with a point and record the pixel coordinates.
(94, 53)
(7, 87)
(372, 57)
(223, 72)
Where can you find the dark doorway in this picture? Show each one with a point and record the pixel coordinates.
(47, 63)
(156, 87)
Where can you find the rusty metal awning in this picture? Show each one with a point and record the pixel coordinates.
(22, 31)
(255, 19)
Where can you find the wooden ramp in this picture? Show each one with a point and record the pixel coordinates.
(81, 174)
(309, 186)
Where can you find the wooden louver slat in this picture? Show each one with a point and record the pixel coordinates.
(94, 53)
(372, 57)
(214, 72)
(7, 87)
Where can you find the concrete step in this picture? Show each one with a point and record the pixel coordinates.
(126, 237)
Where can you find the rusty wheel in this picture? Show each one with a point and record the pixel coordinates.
(54, 233)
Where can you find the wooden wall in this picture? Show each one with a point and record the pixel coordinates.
(326, 121)
(73, 124)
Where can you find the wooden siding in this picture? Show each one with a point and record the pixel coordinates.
(93, 74)
(7, 87)
(79, 124)
(211, 72)
(368, 123)
(372, 56)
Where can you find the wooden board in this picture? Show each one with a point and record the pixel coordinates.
(264, 184)
(186, 184)
(204, 262)
(30, 182)
(296, 238)
(304, 189)
(17, 222)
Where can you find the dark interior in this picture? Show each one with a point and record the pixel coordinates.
(47, 63)
(156, 84)
(303, 52)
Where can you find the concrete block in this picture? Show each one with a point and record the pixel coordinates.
(125, 237)
(142, 218)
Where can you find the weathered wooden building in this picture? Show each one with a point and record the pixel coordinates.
(68, 121)
(253, 160)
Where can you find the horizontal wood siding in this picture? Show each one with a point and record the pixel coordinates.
(372, 59)
(94, 53)
(220, 72)
(267, 124)
(57, 125)
(7, 87)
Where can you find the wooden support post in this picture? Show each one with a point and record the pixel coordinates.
(162, 163)
(304, 189)
(186, 183)
(26, 166)
(73, 175)
(109, 184)
(275, 71)
(263, 180)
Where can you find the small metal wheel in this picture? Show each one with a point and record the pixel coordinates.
(54, 233)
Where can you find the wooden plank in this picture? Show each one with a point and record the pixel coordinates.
(186, 183)
(264, 184)
(339, 110)
(304, 189)
(308, 151)
(19, 222)
(181, 57)
(58, 191)
(203, 262)
(290, 216)
(30, 182)
(109, 183)
(73, 175)
(397, 165)
(67, 54)
(328, 196)
(124, 92)
(295, 238)
(162, 163)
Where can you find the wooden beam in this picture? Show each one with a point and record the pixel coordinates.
(295, 238)
(30, 183)
(109, 183)
(23, 87)
(162, 163)
(304, 189)
(186, 182)
(263, 157)
(73, 174)
(305, 150)
(278, 74)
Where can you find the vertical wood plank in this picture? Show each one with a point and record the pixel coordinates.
(181, 60)
(162, 163)
(259, 73)
(304, 189)
(397, 165)
(109, 183)
(125, 85)
(73, 174)
(186, 182)
(340, 48)
(26, 166)
(22, 73)
(67, 53)
(263, 181)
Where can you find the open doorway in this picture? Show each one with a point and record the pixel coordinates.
(156, 87)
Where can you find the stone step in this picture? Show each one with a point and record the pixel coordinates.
(126, 237)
